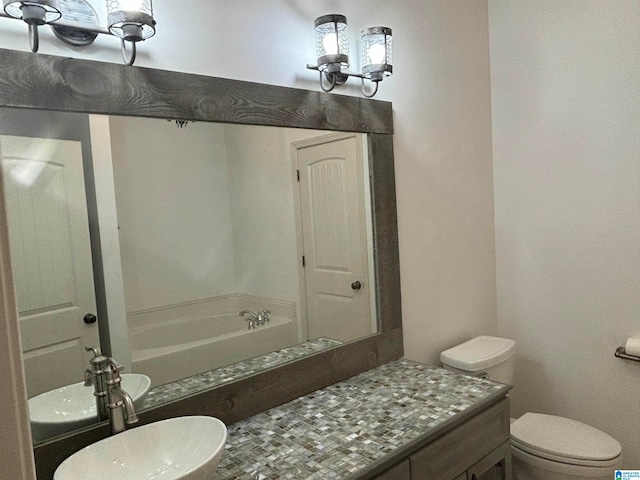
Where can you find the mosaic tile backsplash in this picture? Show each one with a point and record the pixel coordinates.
(203, 381)
(335, 432)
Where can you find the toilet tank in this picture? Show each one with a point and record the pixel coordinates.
(493, 355)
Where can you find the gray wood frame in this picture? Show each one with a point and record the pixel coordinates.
(55, 83)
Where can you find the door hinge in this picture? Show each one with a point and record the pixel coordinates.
(298, 174)
(304, 262)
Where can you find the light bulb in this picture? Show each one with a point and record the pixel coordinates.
(330, 43)
(377, 53)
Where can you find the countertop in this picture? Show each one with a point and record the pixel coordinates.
(343, 430)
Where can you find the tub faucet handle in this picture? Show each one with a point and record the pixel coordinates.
(263, 317)
(252, 318)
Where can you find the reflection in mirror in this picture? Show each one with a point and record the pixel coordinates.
(234, 242)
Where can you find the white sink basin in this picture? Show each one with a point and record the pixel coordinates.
(186, 448)
(74, 406)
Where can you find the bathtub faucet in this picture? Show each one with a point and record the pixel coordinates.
(255, 319)
(251, 318)
(263, 317)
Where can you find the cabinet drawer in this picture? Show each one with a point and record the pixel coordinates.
(400, 471)
(453, 453)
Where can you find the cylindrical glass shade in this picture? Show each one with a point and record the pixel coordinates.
(37, 12)
(332, 43)
(131, 20)
(377, 53)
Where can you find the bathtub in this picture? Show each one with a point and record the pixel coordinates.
(174, 349)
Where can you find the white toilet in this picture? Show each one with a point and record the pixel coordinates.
(543, 447)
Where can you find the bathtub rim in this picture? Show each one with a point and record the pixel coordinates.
(274, 321)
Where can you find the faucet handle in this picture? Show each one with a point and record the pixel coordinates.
(88, 377)
(113, 370)
(96, 351)
(115, 366)
(98, 362)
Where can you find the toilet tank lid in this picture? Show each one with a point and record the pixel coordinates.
(563, 438)
(479, 353)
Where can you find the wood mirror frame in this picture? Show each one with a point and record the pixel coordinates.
(63, 84)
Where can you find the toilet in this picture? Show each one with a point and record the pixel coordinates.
(543, 447)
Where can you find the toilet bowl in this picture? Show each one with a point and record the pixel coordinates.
(543, 447)
(546, 447)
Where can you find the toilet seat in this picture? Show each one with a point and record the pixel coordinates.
(526, 465)
(564, 441)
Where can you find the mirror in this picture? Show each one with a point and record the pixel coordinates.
(66, 85)
(213, 223)
(212, 220)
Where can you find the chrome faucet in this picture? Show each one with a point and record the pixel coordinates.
(263, 317)
(251, 318)
(119, 403)
(96, 376)
(255, 319)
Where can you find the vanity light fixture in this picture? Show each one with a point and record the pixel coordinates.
(34, 14)
(332, 51)
(130, 20)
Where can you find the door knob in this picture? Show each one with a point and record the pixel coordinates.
(90, 318)
(356, 285)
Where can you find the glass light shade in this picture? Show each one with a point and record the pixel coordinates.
(37, 12)
(332, 43)
(131, 20)
(377, 53)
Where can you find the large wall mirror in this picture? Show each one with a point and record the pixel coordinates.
(258, 199)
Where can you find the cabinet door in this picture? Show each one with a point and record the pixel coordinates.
(453, 453)
(400, 471)
(495, 466)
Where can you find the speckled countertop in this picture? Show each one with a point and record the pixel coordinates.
(340, 430)
(229, 373)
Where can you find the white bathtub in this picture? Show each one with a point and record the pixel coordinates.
(174, 349)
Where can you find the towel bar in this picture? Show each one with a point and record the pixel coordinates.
(620, 353)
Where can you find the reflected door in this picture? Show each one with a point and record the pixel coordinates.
(334, 240)
(51, 257)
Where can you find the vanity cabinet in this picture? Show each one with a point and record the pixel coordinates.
(478, 449)
(400, 471)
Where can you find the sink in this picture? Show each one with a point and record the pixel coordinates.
(186, 448)
(74, 406)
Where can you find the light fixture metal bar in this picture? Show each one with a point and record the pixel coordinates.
(68, 24)
(342, 72)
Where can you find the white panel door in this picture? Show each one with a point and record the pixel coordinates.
(51, 257)
(334, 239)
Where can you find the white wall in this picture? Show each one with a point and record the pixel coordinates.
(262, 210)
(172, 197)
(566, 123)
(204, 211)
